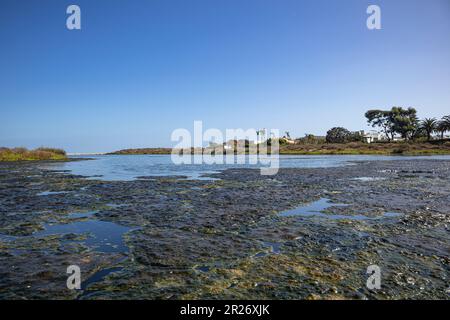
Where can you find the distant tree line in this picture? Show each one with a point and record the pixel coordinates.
(393, 123)
(404, 122)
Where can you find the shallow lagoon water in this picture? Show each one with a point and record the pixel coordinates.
(316, 208)
(130, 167)
(368, 179)
(103, 236)
(312, 209)
(49, 193)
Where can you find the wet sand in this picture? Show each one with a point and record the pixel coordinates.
(302, 234)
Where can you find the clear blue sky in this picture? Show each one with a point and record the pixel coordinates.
(140, 69)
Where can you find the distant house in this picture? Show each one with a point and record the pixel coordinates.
(261, 136)
(375, 136)
(398, 138)
(371, 136)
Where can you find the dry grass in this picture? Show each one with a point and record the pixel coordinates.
(400, 148)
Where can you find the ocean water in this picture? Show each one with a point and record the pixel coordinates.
(129, 167)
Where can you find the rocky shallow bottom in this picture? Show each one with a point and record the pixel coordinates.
(301, 234)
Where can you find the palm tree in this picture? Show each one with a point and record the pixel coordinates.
(443, 126)
(429, 125)
(446, 119)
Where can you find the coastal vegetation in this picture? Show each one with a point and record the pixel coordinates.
(143, 151)
(359, 148)
(351, 148)
(23, 154)
(406, 124)
(400, 132)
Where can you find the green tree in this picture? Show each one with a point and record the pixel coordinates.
(381, 119)
(338, 135)
(428, 125)
(443, 125)
(404, 121)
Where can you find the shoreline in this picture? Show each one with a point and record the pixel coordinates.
(409, 149)
(284, 153)
(382, 149)
(301, 154)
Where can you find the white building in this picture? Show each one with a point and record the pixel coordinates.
(372, 136)
(261, 136)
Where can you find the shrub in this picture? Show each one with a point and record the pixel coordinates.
(310, 139)
(22, 154)
(19, 150)
(52, 150)
(338, 135)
